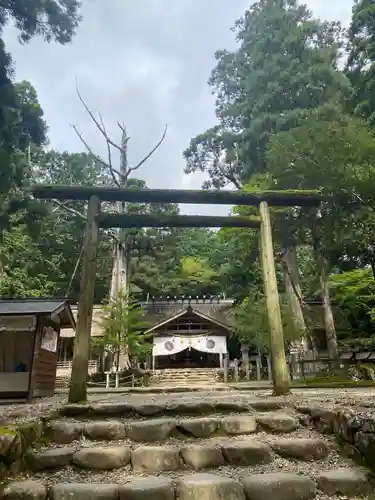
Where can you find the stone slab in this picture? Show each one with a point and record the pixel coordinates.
(209, 487)
(149, 409)
(101, 458)
(244, 453)
(111, 409)
(50, 459)
(202, 457)
(152, 459)
(301, 449)
(277, 422)
(191, 408)
(108, 430)
(63, 432)
(151, 430)
(267, 405)
(232, 406)
(366, 445)
(24, 490)
(344, 481)
(84, 491)
(199, 427)
(239, 424)
(155, 488)
(279, 486)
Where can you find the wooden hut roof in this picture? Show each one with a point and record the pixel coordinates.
(39, 307)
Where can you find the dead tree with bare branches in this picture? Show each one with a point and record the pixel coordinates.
(120, 177)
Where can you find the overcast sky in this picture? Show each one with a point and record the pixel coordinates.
(143, 62)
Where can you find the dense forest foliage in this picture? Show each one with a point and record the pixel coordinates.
(295, 108)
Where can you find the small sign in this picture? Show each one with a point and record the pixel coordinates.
(49, 340)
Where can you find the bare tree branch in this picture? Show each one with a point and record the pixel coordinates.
(74, 271)
(136, 167)
(122, 127)
(124, 172)
(112, 170)
(69, 209)
(82, 216)
(96, 122)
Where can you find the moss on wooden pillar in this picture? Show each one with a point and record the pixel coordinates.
(280, 374)
(78, 383)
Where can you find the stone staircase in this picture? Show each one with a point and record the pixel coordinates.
(199, 449)
(184, 377)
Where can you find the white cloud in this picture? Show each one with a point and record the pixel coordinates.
(145, 63)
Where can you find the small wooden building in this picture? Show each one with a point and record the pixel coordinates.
(29, 336)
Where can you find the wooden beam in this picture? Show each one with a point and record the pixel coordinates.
(280, 375)
(206, 197)
(78, 383)
(107, 220)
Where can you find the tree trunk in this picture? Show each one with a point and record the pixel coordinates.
(120, 269)
(329, 322)
(280, 373)
(294, 294)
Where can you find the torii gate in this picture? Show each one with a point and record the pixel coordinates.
(97, 219)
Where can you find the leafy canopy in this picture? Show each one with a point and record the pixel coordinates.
(284, 69)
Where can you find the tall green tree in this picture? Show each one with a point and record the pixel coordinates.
(360, 65)
(355, 292)
(284, 69)
(335, 156)
(124, 326)
(22, 126)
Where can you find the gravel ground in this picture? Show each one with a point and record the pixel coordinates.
(361, 399)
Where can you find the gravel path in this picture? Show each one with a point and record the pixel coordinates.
(361, 399)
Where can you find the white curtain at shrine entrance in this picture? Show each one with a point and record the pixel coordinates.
(168, 345)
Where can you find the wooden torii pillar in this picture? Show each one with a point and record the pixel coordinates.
(81, 355)
(279, 367)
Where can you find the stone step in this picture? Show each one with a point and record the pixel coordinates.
(161, 429)
(180, 380)
(183, 386)
(199, 406)
(188, 370)
(350, 482)
(148, 459)
(185, 377)
(192, 373)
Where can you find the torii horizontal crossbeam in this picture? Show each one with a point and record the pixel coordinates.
(206, 197)
(108, 220)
